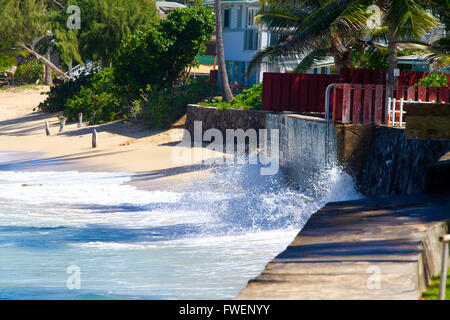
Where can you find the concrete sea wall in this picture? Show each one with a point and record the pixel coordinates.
(380, 159)
(302, 144)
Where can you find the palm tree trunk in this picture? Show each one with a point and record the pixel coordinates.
(392, 55)
(338, 60)
(226, 91)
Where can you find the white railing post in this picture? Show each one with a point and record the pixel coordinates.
(394, 103)
(401, 113)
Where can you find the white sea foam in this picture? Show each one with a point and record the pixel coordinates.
(220, 233)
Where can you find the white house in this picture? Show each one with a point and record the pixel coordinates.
(242, 38)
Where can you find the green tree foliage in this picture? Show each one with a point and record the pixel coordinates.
(161, 107)
(6, 62)
(160, 54)
(28, 72)
(105, 23)
(22, 22)
(155, 60)
(434, 80)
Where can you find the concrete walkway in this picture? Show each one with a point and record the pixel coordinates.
(385, 248)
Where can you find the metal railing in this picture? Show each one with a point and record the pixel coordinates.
(327, 119)
(445, 239)
(87, 69)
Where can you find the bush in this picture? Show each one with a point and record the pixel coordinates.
(7, 62)
(433, 80)
(159, 55)
(249, 99)
(59, 94)
(99, 100)
(29, 72)
(161, 107)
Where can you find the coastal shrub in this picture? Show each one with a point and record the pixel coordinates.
(433, 80)
(160, 54)
(99, 100)
(6, 62)
(28, 72)
(163, 106)
(58, 94)
(249, 99)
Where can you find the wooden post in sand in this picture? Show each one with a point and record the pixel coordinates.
(62, 124)
(80, 120)
(94, 139)
(47, 128)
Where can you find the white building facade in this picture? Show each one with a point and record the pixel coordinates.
(242, 38)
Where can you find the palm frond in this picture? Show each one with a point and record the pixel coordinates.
(280, 18)
(411, 20)
(352, 20)
(311, 58)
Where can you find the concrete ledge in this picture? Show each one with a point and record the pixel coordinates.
(344, 243)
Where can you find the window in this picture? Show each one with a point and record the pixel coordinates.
(226, 18)
(251, 40)
(239, 17)
(251, 14)
(273, 39)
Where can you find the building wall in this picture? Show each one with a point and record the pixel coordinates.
(236, 56)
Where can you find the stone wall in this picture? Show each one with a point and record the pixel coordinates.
(395, 165)
(226, 119)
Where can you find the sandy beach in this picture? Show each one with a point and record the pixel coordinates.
(122, 147)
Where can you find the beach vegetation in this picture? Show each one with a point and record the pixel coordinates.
(161, 106)
(58, 94)
(99, 100)
(28, 72)
(249, 99)
(6, 62)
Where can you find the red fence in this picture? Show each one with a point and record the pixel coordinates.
(306, 92)
(366, 103)
(295, 91)
(362, 76)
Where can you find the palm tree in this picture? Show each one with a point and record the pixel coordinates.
(311, 30)
(226, 91)
(405, 20)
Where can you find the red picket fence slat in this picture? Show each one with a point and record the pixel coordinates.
(366, 103)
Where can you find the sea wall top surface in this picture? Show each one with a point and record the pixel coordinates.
(365, 249)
